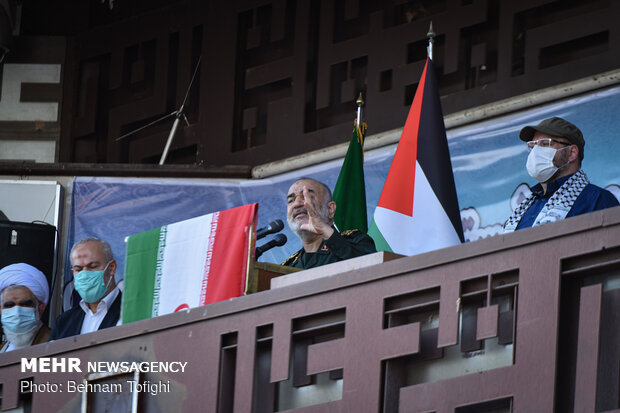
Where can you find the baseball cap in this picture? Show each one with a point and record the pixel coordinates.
(556, 127)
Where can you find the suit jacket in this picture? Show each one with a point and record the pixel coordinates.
(70, 322)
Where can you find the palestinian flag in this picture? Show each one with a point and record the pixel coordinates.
(350, 190)
(188, 264)
(418, 210)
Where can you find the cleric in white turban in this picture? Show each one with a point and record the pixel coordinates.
(24, 294)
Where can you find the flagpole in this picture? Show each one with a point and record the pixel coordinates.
(360, 102)
(431, 40)
(350, 189)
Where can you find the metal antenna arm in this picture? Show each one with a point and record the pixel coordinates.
(179, 115)
(146, 126)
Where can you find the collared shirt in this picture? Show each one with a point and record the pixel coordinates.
(592, 198)
(92, 321)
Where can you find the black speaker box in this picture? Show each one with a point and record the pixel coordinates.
(30, 243)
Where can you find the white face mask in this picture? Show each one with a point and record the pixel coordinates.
(28, 323)
(540, 163)
(20, 340)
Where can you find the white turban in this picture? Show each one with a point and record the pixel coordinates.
(27, 276)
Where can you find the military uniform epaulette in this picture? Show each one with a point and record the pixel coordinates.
(350, 232)
(292, 259)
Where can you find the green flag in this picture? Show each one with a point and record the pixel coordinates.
(350, 191)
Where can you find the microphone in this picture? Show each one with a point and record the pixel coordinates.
(273, 226)
(277, 241)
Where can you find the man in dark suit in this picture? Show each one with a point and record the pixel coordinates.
(93, 267)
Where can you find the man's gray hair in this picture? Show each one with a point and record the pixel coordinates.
(107, 250)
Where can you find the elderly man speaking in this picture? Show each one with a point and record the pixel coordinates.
(24, 293)
(310, 214)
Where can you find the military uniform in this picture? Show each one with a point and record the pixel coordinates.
(340, 246)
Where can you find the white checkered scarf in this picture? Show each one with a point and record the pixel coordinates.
(556, 208)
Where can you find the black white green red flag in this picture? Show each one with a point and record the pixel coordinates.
(418, 208)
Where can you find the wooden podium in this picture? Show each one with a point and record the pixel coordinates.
(264, 276)
(261, 273)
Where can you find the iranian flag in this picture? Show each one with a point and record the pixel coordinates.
(188, 264)
(418, 208)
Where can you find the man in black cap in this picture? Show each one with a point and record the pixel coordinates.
(556, 151)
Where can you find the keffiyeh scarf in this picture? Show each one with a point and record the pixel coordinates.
(557, 206)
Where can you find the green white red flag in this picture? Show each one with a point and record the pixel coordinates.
(188, 264)
(418, 208)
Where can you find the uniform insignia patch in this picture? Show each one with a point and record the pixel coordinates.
(292, 259)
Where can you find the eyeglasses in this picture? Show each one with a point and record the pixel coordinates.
(545, 143)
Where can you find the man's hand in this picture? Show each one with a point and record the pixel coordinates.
(317, 223)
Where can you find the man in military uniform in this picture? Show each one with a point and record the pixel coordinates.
(310, 214)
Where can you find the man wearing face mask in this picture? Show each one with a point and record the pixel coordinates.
(93, 267)
(310, 214)
(556, 150)
(24, 293)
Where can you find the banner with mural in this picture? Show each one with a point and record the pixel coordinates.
(488, 161)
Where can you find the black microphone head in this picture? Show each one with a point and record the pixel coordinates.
(272, 227)
(277, 241)
(280, 239)
(277, 225)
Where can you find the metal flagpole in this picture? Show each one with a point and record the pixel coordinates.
(360, 102)
(431, 40)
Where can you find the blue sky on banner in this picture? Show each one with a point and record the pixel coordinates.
(488, 160)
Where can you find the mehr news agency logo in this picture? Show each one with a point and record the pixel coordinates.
(73, 364)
